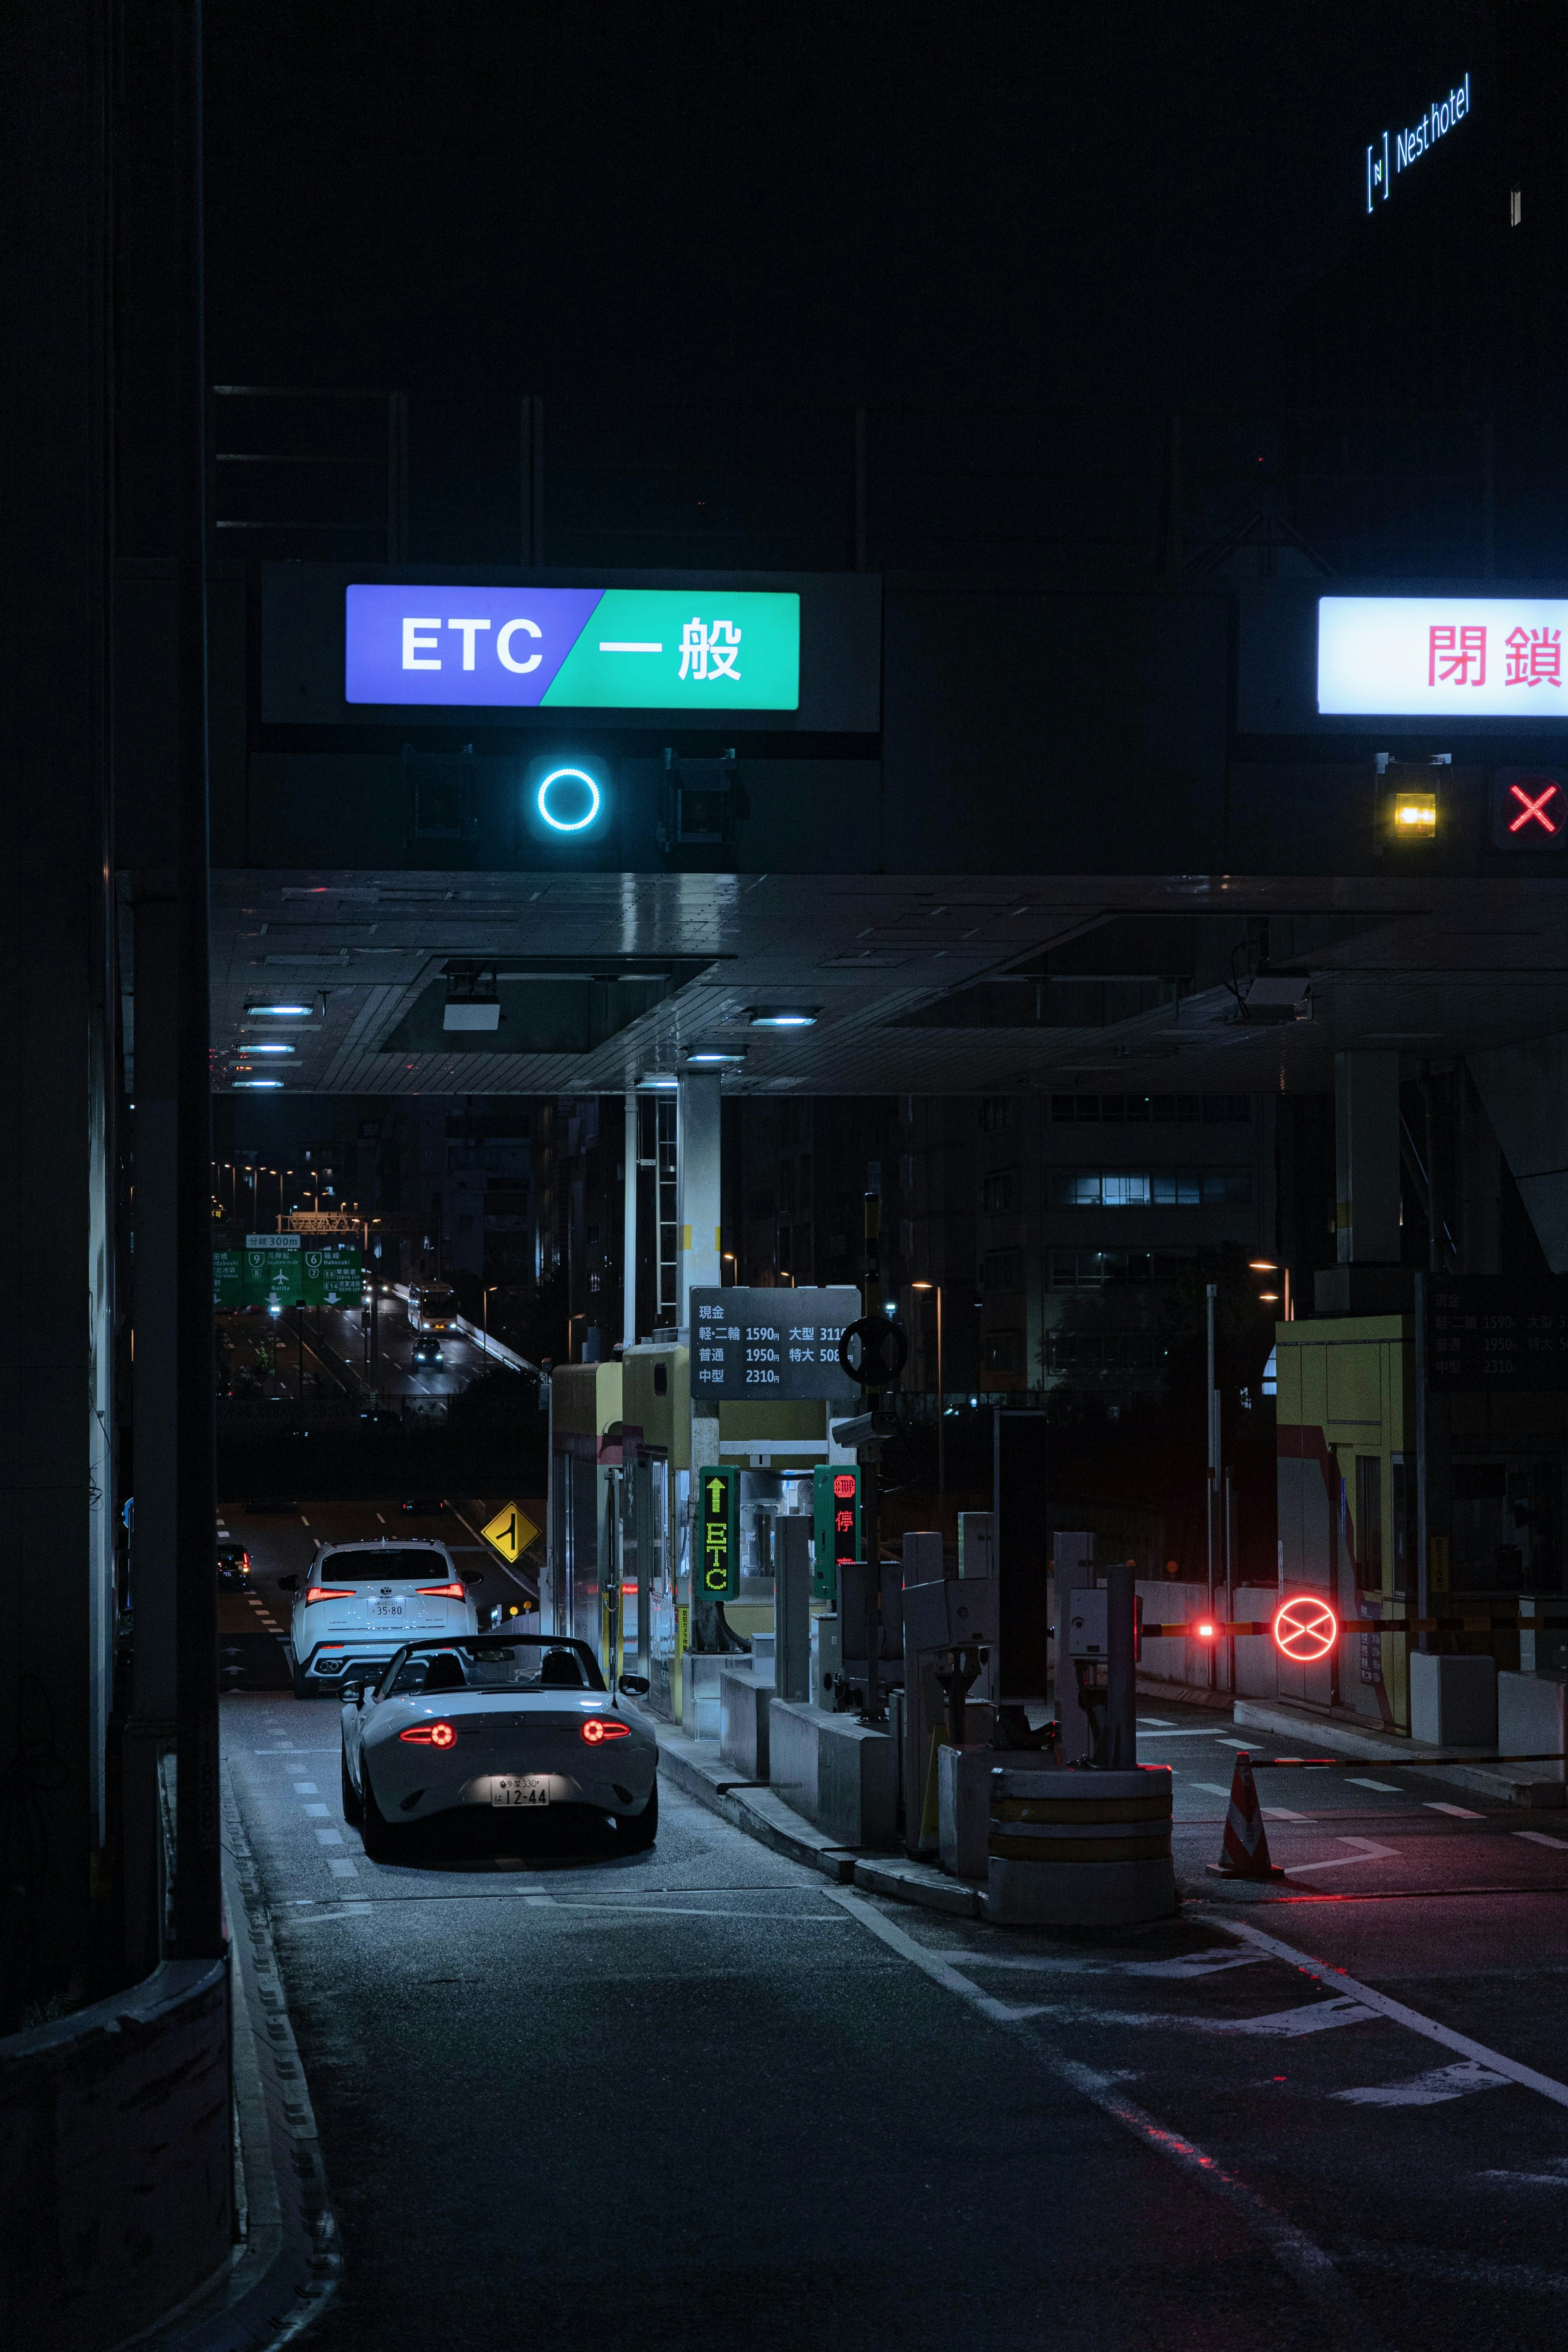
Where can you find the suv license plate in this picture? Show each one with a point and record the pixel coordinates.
(529, 1788)
(386, 1608)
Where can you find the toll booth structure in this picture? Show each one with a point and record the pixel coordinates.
(655, 1487)
(582, 1540)
(1348, 1502)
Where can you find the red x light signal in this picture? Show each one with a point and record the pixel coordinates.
(1542, 808)
(1306, 1629)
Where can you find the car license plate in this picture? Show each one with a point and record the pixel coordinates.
(379, 1608)
(525, 1789)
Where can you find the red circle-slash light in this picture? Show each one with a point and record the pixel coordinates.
(1306, 1629)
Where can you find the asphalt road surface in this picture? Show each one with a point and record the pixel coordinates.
(700, 2098)
(253, 1627)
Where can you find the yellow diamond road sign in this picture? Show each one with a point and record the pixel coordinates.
(509, 1532)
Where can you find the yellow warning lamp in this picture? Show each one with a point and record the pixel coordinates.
(1416, 815)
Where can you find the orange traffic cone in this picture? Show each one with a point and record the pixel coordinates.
(1243, 1851)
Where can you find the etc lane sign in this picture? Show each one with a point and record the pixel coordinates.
(572, 649)
(1442, 657)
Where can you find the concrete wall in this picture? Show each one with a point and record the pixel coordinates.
(115, 2160)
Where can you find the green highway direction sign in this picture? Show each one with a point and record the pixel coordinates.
(280, 1269)
(719, 1570)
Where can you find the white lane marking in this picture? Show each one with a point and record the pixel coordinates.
(1283, 2025)
(380, 1516)
(306, 1789)
(329, 1837)
(1427, 2090)
(1188, 1965)
(1296, 2253)
(1370, 1851)
(1538, 1837)
(1226, 1741)
(1461, 2044)
(1383, 1788)
(304, 1522)
(1555, 2176)
(317, 1812)
(1157, 1722)
(1210, 1788)
(1145, 1734)
(1282, 1813)
(1460, 1812)
(343, 1868)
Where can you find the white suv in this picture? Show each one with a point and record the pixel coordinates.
(361, 1602)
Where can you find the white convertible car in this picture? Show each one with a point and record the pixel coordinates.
(499, 1720)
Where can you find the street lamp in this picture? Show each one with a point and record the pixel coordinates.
(485, 1308)
(941, 1399)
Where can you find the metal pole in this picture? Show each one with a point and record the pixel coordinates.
(941, 1415)
(629, 1225)
(870, 1519)
(1121, 1753)
(198, 1897)
(1213, 1459)
(1423, 1609)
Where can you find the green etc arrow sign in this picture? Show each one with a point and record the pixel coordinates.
(719, 1570)
(278, 1270)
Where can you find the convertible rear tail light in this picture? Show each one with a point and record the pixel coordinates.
(429, 1735)
(329, 1592)
(453, 1592)
(598, 1728)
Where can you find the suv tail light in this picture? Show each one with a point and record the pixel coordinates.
(453, 1592)
(429, 1735)
(598, 1728)
(329, 1592)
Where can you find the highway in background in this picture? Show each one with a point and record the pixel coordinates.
(261, 1353)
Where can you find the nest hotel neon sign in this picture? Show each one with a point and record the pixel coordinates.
(572, 649)
(1394, 152)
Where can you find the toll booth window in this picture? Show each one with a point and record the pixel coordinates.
(1369, 1520)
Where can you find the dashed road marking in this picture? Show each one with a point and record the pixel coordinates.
(1460, 1812)
(1370, 1851)
(304, 1522)
(329, 1837)
(1210, 1788)
(317, 1812)
(343, 1868)
(1427, 2090)
(1461, 2044)
(1282, 1813)
(1383, 1788)
(1538, 1837)
(306, 1789)
(1297, 2254)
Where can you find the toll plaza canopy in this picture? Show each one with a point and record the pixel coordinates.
(918, 833)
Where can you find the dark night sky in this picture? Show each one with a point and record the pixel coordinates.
(1003, 203)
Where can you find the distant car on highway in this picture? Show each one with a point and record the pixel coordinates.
(233, 1568)
(427, 1349)
(505, 1721)
(432, 1306)
(362, 1601)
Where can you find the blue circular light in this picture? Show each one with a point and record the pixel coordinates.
(564, 824)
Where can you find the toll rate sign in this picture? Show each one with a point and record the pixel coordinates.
(836, 1524)
(718, 1526)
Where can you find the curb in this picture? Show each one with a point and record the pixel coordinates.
(760, 1814)
(288, 2265)
(1488, 1780)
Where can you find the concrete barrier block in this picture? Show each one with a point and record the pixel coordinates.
(1531, 1718)
(744, 1704)
(840, 1774)
(1453, 1701)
